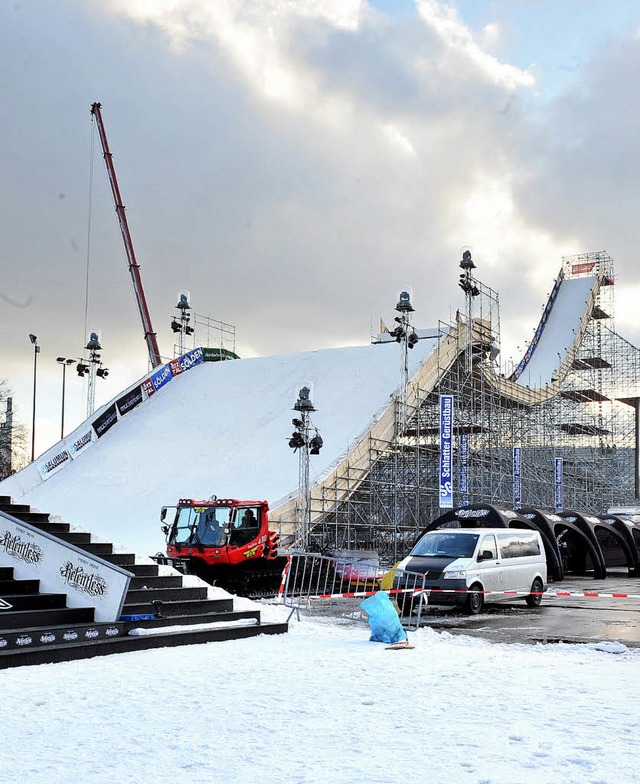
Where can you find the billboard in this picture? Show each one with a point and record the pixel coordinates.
(446, 456)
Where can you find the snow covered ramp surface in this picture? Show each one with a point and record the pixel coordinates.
(222, 428)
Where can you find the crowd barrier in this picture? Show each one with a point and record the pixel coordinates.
(330, 586)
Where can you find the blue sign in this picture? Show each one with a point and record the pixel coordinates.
(161, 377)
(464, 463)
(558, 475)
(446, 456)
(517, 484)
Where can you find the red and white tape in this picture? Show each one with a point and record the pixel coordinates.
(429, 591)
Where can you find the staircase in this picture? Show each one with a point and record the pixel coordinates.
(159, 611)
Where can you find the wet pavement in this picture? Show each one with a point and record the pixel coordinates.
(558, 619)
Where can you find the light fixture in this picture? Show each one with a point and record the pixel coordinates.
(315, 445)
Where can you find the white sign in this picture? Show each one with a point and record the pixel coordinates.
(87, 580)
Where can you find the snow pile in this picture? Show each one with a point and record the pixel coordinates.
(323, 705)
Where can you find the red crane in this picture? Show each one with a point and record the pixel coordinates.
(134, 268)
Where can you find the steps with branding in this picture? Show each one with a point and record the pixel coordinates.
(38, 628)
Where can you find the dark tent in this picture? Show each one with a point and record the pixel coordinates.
(576, 549)
(544, 521)
(616, 538)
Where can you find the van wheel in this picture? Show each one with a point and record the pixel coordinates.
(475, 600)
(535, 597)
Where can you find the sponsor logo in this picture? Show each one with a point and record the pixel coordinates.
(147, 387)
(4, 605)
(105, 421)
(578, 269)
(471, 513)
(194, 357)
(130, 400)
(250, 553)
(175, 366)
(81, 442)
(24, 640)
(24, 551)
(70, 636)
(3, 642)
(91, 633)
(87, 582)
(55, 462)
(161, 377)
(47, 638)
(112, 631)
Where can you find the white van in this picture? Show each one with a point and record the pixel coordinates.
(462, 566)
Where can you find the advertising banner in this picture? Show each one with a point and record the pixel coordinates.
(53, 464)
(105, 421)
(558, 478)
(464, 463)
(87, 581)
(147, 388)
(130, 400)
(81, 442)
(517, 477)
(190, 359)
(160, 377)
(446, 456)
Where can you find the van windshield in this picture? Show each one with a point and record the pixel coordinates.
(446, 544)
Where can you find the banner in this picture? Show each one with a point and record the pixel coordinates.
(132, 398)
(161, 377)
(105, 421)
(54, 463)
(147, 388)
(188, 360)
(517, 477)
(80, 443)
(558, 477)
(464, 463)
(86, 579)
(446, 462)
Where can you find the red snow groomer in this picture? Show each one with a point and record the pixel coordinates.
(225, 542)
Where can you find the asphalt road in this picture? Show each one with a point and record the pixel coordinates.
(558, 619)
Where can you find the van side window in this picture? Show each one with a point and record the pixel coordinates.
(518, 545)
(489, 543)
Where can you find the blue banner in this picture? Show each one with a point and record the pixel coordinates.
(446, 461)
(161, 377)
(464, 463)
(558, 477)
(517, 477)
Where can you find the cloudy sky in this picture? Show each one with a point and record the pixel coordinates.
(294, 163)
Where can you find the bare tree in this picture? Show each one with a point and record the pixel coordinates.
(13, 436)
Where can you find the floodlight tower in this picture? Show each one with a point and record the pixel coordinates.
(305, 446)
(180, 324)
(468, 285)
(406, 335)
(92, 367)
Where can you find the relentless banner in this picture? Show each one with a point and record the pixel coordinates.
(446, 455)
(105, 421)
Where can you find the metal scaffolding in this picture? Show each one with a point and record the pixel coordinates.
(587, 415)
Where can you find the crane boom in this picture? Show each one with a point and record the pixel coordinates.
(134, 268)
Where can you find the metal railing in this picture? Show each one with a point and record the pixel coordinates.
(331, 586)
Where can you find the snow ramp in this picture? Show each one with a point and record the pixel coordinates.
(221, 428)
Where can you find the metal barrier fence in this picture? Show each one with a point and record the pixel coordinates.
(329, 586)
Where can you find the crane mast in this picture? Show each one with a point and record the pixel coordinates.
(134, 268)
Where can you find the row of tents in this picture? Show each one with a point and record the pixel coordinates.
(574, 542)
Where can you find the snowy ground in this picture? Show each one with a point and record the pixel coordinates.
(321, 705)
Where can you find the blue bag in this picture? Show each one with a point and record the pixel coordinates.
(383, 619)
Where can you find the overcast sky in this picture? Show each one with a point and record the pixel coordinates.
(294, 163)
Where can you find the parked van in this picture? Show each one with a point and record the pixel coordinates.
(469, 563)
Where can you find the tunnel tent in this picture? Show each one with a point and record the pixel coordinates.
(616, 542)
(630, 531)
(577, 539)
(544, 521)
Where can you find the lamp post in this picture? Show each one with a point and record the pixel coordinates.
(36, 351)
(65, 364)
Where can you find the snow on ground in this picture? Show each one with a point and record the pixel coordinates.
(322, 705)
(223, 428)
